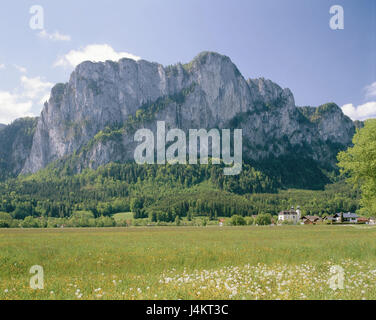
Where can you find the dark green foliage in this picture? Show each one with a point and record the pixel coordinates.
(294, 171)
(337, 197)
(263, 219)
(162, 193)
(237, 221)
(4, 224)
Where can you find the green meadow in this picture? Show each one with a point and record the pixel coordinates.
(279, 262)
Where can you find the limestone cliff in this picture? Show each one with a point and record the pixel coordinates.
(92, 118)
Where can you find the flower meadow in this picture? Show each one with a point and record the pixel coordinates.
(255, 263)
(276, 282)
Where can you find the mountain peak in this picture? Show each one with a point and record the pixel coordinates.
(204, 55)
(208, 92)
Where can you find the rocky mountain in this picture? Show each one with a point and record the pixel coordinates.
(91, 120)
(15, 145)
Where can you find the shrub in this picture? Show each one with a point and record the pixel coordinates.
(264, 219)
(250, 221)
(75, 222)
(82, 214)
(121, 223)
(22, 211)
(237, 220)
(105, 222)
(4, 224)
(56, 222)
(4, 216)
(30, 222)
(14, 223)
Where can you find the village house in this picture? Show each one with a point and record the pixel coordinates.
(345, 217)
(289, 215)
(311, 219)
(372, 221)
(330, 219)
(363, 220)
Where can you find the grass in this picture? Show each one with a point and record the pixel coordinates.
(288, 262)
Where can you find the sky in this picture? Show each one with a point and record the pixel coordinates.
(287, 41)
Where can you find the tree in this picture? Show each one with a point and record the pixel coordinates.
(249, 220)
(4, 224)
(30, 222)
(263, 219)
(237, 220)
(105, 222)
(104, 209)
(358, 163)
(22, 211)
(5, 216)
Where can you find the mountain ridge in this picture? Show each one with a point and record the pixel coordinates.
(90, 117)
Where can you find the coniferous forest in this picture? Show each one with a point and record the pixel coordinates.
(157, 194)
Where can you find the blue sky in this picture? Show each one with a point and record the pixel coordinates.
(287, 41)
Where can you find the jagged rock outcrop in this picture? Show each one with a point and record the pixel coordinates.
(15, 146)
(92, 118)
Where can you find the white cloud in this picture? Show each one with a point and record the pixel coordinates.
(20, 68)
(95, 53)
(56, 36)
(370, 90)
(2, 66)
(34, 88)
(361, 112)
(11, 107)
(26, 100)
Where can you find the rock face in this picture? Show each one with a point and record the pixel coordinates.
(92, 118)
(15, 146)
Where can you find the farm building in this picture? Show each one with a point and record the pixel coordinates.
(289, 215)
(311, 219)
(329, 218)
(346, 217)
(363, 220)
